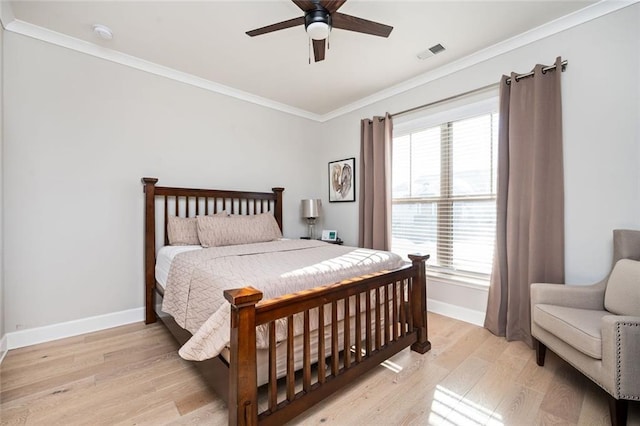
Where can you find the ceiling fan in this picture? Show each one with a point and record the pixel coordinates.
(319, 17)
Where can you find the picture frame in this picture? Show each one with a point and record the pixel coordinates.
(342, 180)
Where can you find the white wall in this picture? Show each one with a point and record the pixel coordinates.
(2, 310)
(601, 107)
(80, 132)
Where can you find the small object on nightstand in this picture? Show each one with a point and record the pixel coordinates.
(329, 235)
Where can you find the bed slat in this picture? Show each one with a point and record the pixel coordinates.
(387, 324)
(291, 371)
(334, 339)
(394, 312)
(358, 315)
(347, 334)
(378, 326)
(321, 350)
(273, 378)
(367, 310)
(306, 354)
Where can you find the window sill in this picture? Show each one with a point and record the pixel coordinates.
(475, 283)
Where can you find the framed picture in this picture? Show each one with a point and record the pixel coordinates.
(342, 180)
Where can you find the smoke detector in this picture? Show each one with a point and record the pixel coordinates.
(103, 31)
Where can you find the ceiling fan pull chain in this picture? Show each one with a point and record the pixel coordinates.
(309, 38)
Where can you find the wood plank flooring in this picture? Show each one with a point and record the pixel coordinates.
(132, 375)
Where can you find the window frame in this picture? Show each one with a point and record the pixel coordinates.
(444, 116)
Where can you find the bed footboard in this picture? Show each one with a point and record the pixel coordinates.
(383, 313)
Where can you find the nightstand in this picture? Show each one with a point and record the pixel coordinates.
(338, 242)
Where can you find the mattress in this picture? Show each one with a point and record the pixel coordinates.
(165, 257)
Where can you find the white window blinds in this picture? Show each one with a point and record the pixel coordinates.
(444, 188)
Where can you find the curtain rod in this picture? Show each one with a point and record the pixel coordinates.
(450, 98)
(478, 90)
(563, 65)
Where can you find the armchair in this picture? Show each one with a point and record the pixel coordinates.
(596, 328)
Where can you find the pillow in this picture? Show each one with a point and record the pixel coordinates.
(183, 231)
(622, 295)
(215, 231)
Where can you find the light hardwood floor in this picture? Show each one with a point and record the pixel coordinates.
(133, 375)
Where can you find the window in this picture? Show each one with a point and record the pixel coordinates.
(444, 189)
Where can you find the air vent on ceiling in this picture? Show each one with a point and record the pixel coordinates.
(433, 50)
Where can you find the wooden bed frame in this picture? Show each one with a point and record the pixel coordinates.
(397, 320)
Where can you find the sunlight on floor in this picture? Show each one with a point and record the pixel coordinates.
(391, 366)
(386, 364)
(449, 408)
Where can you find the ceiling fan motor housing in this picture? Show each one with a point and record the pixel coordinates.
(320, 15)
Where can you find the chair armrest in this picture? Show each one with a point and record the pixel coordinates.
(571, 296)
(620, 349)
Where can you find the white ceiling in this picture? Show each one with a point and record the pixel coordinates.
(206, 40)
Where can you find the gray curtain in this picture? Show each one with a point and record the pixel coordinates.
(375, 183)
(530, 200)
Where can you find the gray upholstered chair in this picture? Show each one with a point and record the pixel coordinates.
(596, 328)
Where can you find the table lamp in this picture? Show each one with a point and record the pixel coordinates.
(311, 211)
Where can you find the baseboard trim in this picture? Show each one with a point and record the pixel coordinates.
(33, 336)
(3, 347)
(457, 312)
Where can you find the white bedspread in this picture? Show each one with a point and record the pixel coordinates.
(194, 289)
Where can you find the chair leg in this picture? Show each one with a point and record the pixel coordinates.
(541, 351)
(618, 411)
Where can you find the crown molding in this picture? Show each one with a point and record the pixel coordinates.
(6, 13)
(589, 13)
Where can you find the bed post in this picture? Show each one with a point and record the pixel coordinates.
(243, 370)
(419, 303)
(278, 206)
(149, 248)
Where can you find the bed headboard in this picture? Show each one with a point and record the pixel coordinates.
(162, 202)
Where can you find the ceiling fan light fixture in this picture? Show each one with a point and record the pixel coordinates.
(317, 23)
(318, 30)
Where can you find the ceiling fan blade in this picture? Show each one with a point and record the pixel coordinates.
(359, 25)
(304, 5)
(275, 27)
(332, 5)
(318, 50)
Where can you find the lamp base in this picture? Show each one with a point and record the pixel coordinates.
(312, 224)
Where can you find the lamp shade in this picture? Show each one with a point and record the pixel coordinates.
(311, 208)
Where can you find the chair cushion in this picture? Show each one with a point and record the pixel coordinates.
(622, 296)
(579, 328)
